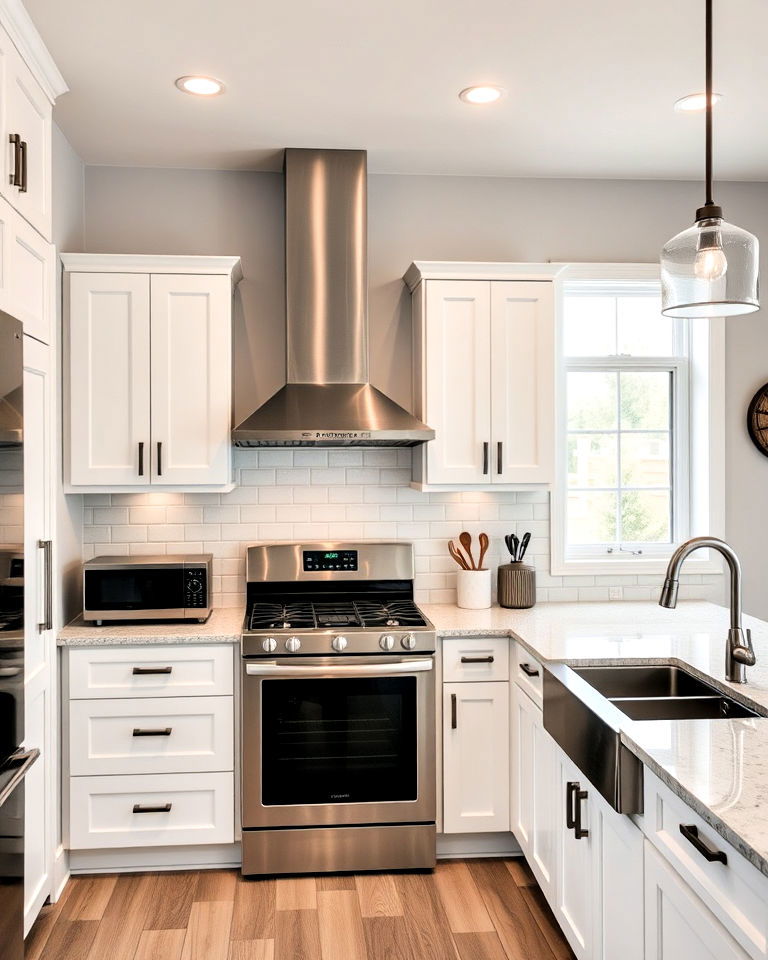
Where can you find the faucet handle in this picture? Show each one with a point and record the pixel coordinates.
(744, 652)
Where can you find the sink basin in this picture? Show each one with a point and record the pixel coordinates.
(683, 708)
(657, 681)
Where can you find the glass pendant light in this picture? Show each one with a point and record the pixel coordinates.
(710, 269)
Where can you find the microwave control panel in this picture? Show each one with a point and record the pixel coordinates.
(195, 587)
(324, 560)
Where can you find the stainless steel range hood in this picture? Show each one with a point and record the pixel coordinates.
(328, 400)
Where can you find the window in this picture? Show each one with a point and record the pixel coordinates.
(629, 380)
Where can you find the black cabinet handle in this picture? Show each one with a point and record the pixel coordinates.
(710, 854)
(578, 831)
(486, 451)
(528, 670)
(499, 457)
(146, 671)
(141, 458)
(159, 458)
(160, 732)
(23, 184)
(454, 713)
(47, 547)
(477, 659)
(159, 808)
(570, 790)
(15, 177)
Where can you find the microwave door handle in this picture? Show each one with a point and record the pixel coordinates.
(272, 669)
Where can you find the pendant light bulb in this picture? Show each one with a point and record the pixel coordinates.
(710, 262)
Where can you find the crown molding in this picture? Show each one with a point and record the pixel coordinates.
(149, 263)
(22, 31)
(478, 270)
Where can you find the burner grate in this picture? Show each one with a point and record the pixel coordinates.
(305, 615)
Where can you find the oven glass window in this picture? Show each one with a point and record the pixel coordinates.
(339, 740)
(160, 589)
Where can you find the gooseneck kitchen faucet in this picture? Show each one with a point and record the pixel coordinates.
(739, 653)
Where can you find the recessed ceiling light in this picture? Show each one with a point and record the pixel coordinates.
(200, 86)
(484, 93)
(695, 102)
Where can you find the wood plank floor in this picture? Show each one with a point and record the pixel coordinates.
(465, 910)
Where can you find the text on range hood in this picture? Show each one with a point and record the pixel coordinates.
(328, 400)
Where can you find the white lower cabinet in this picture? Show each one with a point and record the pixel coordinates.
(678, 924)
(476, 757)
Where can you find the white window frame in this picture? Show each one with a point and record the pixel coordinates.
(698, 429)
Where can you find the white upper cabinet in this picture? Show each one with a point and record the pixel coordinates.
(484, 359)
(149, 362)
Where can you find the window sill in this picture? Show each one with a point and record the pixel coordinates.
(591, 566)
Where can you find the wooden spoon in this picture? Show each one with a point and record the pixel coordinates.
(457, 556)
(465, 539)
(483, 538)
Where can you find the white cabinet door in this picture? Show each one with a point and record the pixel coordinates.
(33, 280)
(475, 757)
(40, 644)
(523, 379)
(677, 923)
(619, 893)
(575, 904)
(109, 378)
(191, 361)
(458, 371)
(533, 789)
(28, 117)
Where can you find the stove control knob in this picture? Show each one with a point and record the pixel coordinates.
(386, 641)
(293, 644)
(408, 641)
(339, 644)
(269, 645)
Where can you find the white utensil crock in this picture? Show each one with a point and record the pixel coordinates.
(473, 589)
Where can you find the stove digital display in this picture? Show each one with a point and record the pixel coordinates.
(324, 560)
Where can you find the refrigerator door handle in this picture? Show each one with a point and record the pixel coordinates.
(26, 758)
(47, 622)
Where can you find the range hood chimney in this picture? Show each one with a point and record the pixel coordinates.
(328, 400)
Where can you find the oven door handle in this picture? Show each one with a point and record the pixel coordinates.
(271, 669)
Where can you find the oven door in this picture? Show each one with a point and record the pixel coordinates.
(330, 742)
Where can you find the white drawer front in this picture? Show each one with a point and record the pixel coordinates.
(159, 735)
(143, 671)
(528, 673)
(475, 658)
(736, 892)
(201, 810)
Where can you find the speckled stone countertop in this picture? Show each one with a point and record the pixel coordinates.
(223, 626)
(719, 767)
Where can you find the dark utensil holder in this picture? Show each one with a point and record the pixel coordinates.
(517, 585)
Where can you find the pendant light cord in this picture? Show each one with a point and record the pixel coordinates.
(708, 149)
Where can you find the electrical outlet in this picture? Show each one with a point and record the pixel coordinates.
(615, 593)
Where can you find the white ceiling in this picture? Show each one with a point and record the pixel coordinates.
(590, 85)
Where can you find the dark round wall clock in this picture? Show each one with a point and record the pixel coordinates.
(757, 419)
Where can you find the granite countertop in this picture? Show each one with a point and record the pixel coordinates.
(224, 625)
(719, 767)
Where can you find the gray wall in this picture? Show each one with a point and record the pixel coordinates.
(132, 210)
(68, 234)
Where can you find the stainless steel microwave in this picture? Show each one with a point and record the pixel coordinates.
(147, 588)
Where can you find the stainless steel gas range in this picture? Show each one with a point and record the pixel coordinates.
(338, 711)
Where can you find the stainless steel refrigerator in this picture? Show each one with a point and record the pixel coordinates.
(14, 760)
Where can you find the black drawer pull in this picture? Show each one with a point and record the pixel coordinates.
(691, 834)
(499, 458)
(454, 715)
(159, 808)
(528, 670)
(159, 458)
(477, 659)
(159, 732)
(15, 177)
(146, 671)
(141, 458)
(578, 831)
(23, 184)
(486, 451)
(570, 790)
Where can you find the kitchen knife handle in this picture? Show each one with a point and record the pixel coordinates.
(146, 671)
(486, 451)
(710, 854)
(454, 713)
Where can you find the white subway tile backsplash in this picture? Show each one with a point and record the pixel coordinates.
(307, 494)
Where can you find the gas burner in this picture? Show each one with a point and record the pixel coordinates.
(395, 613)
